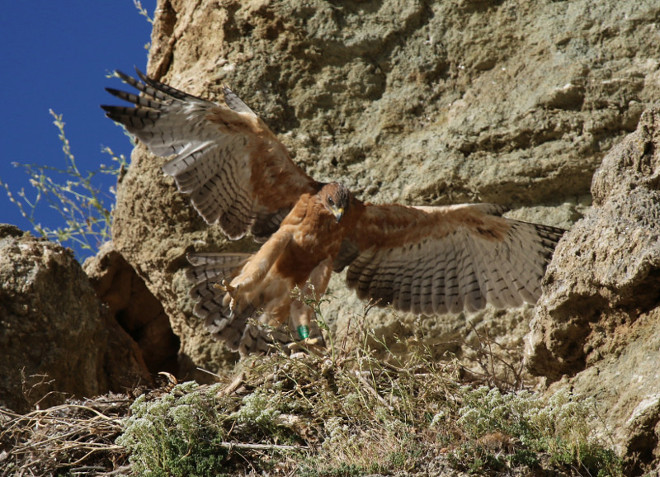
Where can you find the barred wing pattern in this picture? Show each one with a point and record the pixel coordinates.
(206, 272)
(240, 176)
(446, 259)
(236, 172)
(246, 331)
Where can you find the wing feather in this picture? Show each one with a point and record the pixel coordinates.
(469, 286)
(438, 303)
(206, 272)
(451, 275)
(380, 288)
(237, 173)
(440, 259)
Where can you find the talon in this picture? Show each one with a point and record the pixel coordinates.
(230, 290)
(314, 342)
(232, 306)
(306, 345)
(226, 287)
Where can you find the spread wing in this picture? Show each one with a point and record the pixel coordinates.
(237, 173)
(445, 259)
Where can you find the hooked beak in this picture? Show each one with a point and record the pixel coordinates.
(338, 213)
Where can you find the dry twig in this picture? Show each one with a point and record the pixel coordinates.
(77, 436)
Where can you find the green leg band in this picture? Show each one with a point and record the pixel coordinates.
(303, 331)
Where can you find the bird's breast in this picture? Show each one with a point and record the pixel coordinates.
(305, 251)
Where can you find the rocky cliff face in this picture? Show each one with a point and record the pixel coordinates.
(597, 323)
(418, 102)
(134, 308)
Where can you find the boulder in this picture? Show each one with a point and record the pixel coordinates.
(56, 339)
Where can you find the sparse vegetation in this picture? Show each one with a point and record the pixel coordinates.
(85, 210)
(143, 12)
(177, 434)
(75, 438)
(347, 413)
(358, 415)
(514, 429)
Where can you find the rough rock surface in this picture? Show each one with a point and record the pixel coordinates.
(606, 270)
(136, 310)
(55, 338)
(598, 321)
(418, 102)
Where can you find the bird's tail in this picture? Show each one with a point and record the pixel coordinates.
(243, 329)
(207, 274)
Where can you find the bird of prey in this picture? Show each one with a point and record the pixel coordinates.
(240, 177)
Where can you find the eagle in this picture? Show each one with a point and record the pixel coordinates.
(241, 178)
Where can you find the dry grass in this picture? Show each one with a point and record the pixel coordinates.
(348, 413)
(76, 438)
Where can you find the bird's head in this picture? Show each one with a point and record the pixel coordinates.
(336, 198)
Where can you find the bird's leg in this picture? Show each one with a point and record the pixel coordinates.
(254, 270)
(302, 313)
(230, 291)
(301, 325)
(301, 317)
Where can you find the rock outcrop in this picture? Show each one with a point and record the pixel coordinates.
(56, 340)
(418, 102)
(134, 308)
(598, 321)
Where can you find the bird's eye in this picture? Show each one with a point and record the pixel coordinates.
(330, 201)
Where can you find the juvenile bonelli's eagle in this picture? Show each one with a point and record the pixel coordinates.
(240, 176)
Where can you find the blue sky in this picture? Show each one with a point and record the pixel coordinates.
(56, 55)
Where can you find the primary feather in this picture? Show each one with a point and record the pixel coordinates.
(240, 177)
